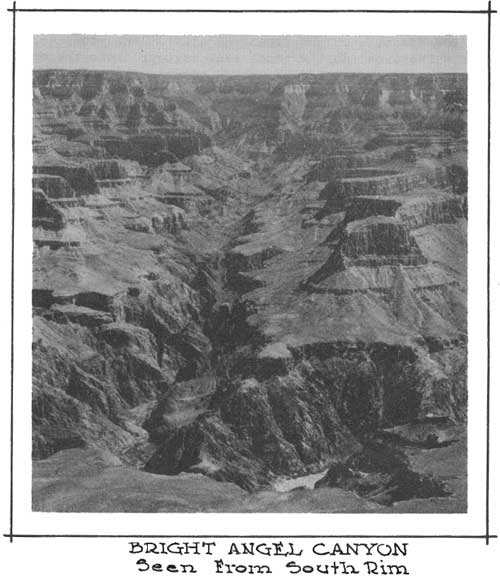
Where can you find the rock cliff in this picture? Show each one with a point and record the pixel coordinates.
(254, 279)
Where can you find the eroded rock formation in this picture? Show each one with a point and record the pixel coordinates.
(252, 278)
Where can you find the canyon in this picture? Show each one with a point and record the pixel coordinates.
(249, 292)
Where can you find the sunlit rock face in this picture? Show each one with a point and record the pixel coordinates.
(248, 280)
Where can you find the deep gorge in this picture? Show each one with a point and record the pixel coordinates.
(230, 286)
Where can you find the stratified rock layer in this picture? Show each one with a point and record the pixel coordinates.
(249, 278)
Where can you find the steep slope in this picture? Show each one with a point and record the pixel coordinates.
(247, 277)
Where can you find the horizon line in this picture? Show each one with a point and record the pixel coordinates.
(215, 75)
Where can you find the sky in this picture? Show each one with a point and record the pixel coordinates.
(252, 54)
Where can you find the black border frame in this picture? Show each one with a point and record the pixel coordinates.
(487, 536)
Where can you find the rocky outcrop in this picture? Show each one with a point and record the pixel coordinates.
(382, 474)
(239, 261)
(52, 186)
(430, 433)
(438, 209)
(254, 430)
(45, 214)
(173, 220)
(122, 361)
(71, 313)
(108, 170)
(372, 241)
(295, 423)
(154, 149)
(131, 341)
(379, 236)
(79, 178)
(81, 400)
(389, 184)
(247, 279)
(415, 211)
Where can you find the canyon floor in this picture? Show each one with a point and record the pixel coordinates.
(249, 293)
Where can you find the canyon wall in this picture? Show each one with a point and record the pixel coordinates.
(251, 278)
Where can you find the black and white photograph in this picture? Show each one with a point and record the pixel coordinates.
(249, 283)
(249, 276)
